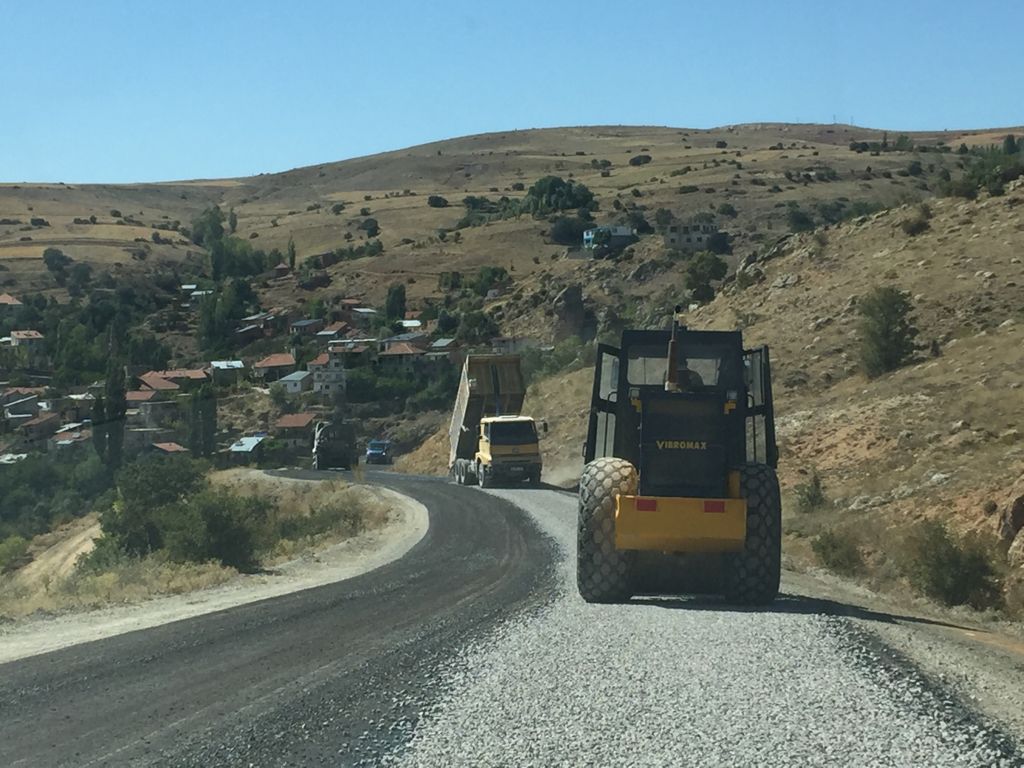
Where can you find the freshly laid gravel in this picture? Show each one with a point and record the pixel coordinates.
(667, 683)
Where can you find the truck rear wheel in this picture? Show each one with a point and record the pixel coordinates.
(753, 575)
(604, 574)
(484, 476)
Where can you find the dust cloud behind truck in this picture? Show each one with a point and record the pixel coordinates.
(491, 441)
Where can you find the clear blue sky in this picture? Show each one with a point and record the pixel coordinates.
(142, 91)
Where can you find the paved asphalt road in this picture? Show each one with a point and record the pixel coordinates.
(474, 649)
(331, 676)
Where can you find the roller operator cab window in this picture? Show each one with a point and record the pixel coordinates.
(647, 366)
(512, 433)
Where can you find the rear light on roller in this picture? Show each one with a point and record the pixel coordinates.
(714, 506)
(646, 505)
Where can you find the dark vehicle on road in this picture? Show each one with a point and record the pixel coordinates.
(334, 445)
(379, 452)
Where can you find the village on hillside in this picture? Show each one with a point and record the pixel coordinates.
(39, 416)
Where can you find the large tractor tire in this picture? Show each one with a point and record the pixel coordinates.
(752, 576)
(604, 574)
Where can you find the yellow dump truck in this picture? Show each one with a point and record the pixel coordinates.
(491, 442)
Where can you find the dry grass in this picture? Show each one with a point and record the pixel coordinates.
(310, 515)
(480, 165)
(318, 514)
(130, 582)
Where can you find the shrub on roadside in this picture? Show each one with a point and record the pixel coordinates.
(218, 525)
(947, 570)
(839, 553)
(12, 553)
(810, 496)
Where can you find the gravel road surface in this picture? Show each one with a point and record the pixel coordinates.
(668, 682)
(475, 650)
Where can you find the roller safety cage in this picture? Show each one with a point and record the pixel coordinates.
(680, 465)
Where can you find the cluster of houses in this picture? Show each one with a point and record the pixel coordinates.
(34, 419)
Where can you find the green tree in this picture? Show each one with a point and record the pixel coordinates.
(208, 226)
(1010, 145)
(447, 322)
(394, 306)
(702, 269)
(56, 262)
(663, 218)
(449, 281)
(202, 421)
(145, 489)
(718, 243)
(553, 193)
(903, 143)
(291, 254)
(476, 327)
(232, 221)
(487, 278)
(99, 429)
(568, 230)
(436, 201)
(78, 279)
(217, 525)
(799, 221)
(278, 395)
(637, 221)
(116, 406)
(887, 330)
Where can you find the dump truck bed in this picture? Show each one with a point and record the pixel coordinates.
(491, 385)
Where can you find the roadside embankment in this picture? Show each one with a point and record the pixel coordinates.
(47, 614)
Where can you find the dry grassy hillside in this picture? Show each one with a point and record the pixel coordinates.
(748, 172)
(937, 437)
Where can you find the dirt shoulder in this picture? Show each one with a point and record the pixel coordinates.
(977, 655)
(406, 525)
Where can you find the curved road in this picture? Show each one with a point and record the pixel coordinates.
(295, 680)
(475, 650)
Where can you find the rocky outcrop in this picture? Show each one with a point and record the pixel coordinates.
(570, 313)
(1011, 519)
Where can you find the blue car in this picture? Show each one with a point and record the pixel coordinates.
(379, 452)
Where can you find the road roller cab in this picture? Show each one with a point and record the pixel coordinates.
(680, 458)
